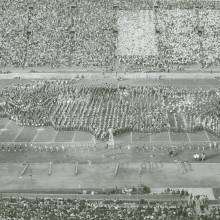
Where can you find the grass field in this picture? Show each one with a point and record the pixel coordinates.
(96, 80)
(100, 171)
(12, 133)
(102, 176)
(80, 145)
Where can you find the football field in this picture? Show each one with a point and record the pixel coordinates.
(97, 167)
(10, 132)
(103, 176)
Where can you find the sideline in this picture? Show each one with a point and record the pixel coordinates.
(87, 75)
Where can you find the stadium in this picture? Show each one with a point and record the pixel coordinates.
(109, 109)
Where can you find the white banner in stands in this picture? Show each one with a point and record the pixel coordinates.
(136, 33)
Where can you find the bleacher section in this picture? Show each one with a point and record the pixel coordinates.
(55, 33)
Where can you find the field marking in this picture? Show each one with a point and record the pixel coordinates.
(51, 142)
(54, 138)
(5, 127)
(189, 139)
(37, 132)
(150, 141)
(61, 139)
(207, 136)
(73, 138)
(17, 135)
(170, 141)
(40, 129)
(7, 124)
(64, 172)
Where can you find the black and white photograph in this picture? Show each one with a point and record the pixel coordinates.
(109, 109)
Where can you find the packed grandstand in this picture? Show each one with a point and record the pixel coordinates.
(73, 209)
(116, 37)
(190, 208)
(110, 34)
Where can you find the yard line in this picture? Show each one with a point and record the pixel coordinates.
(55, 137)
(207, 136)
(34, 138)
(5, 127)
(19, 132)
(8, 123)
(150, 138)
(170, 141)
(189, 139)
(74, 134)
(41, 129)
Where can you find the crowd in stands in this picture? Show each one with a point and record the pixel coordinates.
(178, 38)
(66, 106)
(194, 208)
(58, 33)
(210, 41)
(52, 208)
(189, 36)
(183, 37)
